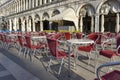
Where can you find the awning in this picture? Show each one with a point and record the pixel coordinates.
(68, 15)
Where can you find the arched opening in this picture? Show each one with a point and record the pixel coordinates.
(12, 25)
(20, 24)
(110, 22)
(54, 25)
(66, 20)
(86, 18)
(87, 24)
(45, 21)
(37, 23)
(45, 25)
(108, 17)
(25, 23)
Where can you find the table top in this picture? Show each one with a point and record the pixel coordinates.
(80, 41)
(38, 37)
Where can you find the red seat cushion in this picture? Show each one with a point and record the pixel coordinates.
(62, 54)
(114, 75)
(108, 53)
(86, 48)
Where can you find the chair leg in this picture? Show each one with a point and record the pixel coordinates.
(33, 54)
(110, 68)
(49, 64)
(60, 67)
(89, 58)
(19, 52)
(96, 61)
(75, 62)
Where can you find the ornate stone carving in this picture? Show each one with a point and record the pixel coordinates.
(105, 9)
(83, 12)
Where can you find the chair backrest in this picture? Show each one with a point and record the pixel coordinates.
(67, 35)
(52, 44)
(80, 35)
(58, 35)
(93, 36)
(118, 42)
(101, 38)
(28, 41)
(21, 40)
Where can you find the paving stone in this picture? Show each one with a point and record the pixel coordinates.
(2, 68)
(8, 77)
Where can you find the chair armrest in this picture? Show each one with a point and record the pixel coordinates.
(105, 65)
(118, 49)
(106, 41)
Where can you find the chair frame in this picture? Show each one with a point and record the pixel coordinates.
(105, 65)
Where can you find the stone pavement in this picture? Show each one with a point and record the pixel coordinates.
(17, 67)
(11, 69)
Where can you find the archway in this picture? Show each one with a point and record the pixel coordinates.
(12, 24)
(20, 24)
(45, 21)
(86, 18)
(109, 18)
(54, 25)
(37, 22)
(25, 23)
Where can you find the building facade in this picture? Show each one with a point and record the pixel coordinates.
(39, 15)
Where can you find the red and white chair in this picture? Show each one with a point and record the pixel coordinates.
(91, 47)
(113, 75)
(56, 53)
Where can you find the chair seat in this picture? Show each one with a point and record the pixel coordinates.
(108, 53)
(86, 48)
(114, 75)
(64, 54)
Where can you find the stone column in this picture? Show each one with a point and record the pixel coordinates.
(40, 2)
(102, 23)
(29, 4)
(41, 24)
(23, 24)
(26, 4)
(97, 22)
(10, 24)
(21, 5)
(33, 23)
(17, 7)
(29, 24)
(36, 3)
(50, 25)
(117, 23)
(15, 24)
(45, 1)
(50, 1)
(33, 3)
(92, 23)
(81, 23)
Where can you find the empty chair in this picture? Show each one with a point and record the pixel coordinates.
(113, 75)
(91, 47)
(56, 53)
(110, 53)
(33, 46)
(22, 44)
